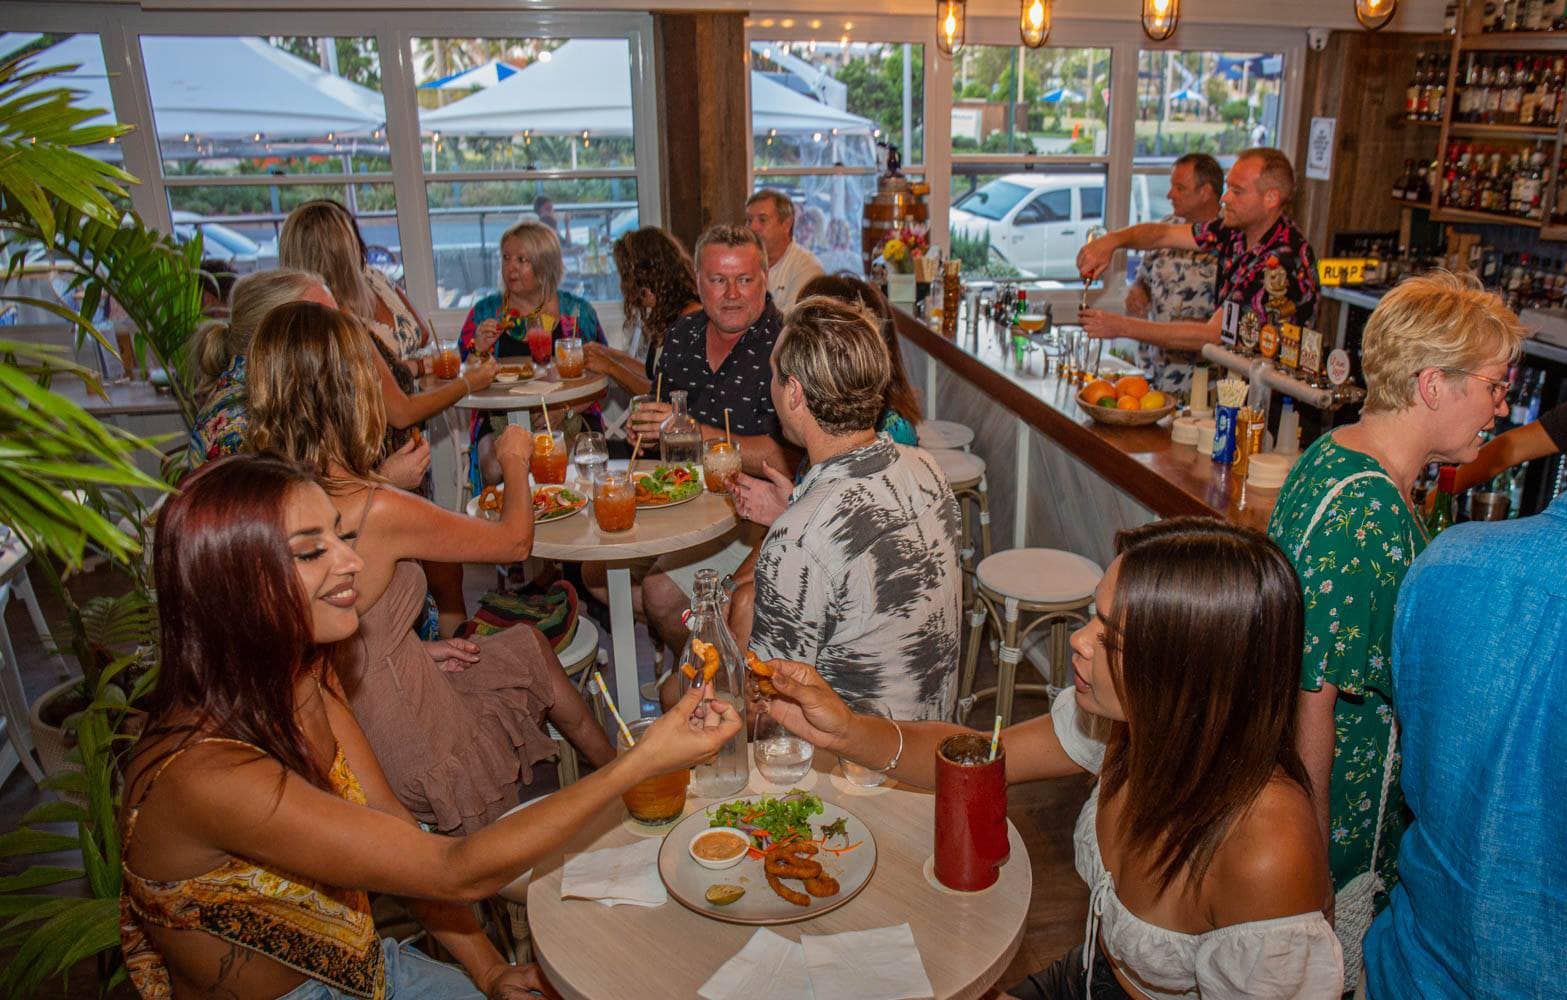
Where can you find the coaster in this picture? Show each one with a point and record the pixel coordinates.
(935, 883)
(761, 786)
(644, 830)
(848, 787)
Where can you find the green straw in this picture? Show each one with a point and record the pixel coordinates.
(995, 738)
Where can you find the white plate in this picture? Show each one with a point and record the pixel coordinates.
(696, 470)
(688, 882)
(473, 503)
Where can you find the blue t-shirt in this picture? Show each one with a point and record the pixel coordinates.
(1480, 672)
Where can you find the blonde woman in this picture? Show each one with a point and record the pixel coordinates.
(323, 237)
(1435, 355)
(455, 724)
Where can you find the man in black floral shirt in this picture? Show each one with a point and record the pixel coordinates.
(1265, 263)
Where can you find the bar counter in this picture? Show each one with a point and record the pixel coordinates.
(1056, 478)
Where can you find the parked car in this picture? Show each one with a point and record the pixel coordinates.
(219, 242)
(1037, 221)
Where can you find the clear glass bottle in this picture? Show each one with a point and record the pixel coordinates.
(679, 436)
(730, 771)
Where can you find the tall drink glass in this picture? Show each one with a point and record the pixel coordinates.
(720, 464)
(657, 800)
(549, 457)
(540, 342)
(569, 361)
(971, 813)
(614, 502)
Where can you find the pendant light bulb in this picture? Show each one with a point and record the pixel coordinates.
(1033, 21)
(1375, 14)
(951, 24)
(1161, 17)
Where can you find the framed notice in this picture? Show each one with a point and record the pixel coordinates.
(1319, 149)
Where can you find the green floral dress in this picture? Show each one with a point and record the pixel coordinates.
(1350, 569)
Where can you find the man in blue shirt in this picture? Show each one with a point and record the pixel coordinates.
(1480, 671)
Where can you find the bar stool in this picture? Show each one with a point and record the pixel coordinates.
(14, 557)
(1049, 587)
(965, 473)
(944, 434)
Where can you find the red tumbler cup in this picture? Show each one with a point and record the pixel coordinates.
(971, 813)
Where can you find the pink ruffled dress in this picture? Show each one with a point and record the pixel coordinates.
(453, 745)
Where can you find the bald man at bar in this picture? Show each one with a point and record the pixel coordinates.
(1265, 263)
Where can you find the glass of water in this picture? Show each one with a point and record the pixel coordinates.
(781, 757)
(590, 454)
(859, 774)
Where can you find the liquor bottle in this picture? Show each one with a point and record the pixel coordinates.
(1534, 15)
(1491, 87)
(1518, 412)
(1468, 90)
(1437, 90)
(1509, 83)
(1413, 91)
(1401, 182)
(1441, 516)
(1528, 100)
(1536, 398)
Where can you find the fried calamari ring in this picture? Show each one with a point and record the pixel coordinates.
(709, 656)
(787, 894)
(789, 866)
(822, 886)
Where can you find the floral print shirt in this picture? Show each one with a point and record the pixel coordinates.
(1180, 286)
(1276, 278)
(1350, 568)
(220, 423)
(577, 319)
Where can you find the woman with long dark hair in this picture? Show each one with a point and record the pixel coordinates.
(657, 287)
(455, 724)
(1199, 843)
(257, 818)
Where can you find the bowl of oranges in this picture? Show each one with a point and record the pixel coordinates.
(1129, 401)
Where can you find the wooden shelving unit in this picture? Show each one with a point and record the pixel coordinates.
(1470, 39)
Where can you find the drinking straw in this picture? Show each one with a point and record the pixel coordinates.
(995, 738)
(547, 428)
(658, 386)
(636, 450)
(610, 704)
(727, 438)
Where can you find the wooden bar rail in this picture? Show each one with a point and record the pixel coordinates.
(1169, 479)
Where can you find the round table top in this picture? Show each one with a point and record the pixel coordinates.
(536, 392)
(657, 530)
(589, 950)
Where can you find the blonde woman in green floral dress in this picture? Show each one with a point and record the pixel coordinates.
(1435, 357)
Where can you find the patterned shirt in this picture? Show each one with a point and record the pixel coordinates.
(743, 383)
(1276, 279)
(859, 576)
(577, 319)
(405, 334)
(1350, 567)
(220, 423)
(1180, 286)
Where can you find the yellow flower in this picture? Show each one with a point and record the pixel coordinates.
(894, 250)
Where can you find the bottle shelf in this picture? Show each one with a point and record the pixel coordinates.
(1515, 41)
(1540, 132)
(1485, 218)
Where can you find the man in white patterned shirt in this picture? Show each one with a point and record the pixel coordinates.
(859, 575)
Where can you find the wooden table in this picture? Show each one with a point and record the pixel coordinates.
(658, 531)
(966, 942)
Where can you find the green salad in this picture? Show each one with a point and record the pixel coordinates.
(667, 484)
(770, 820)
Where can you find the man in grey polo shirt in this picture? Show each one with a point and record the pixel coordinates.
(859, 575)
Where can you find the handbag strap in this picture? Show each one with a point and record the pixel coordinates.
(1330, 496)
(1387, 784)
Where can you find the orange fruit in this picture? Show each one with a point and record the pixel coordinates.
(1126, 403)
(1098, 389)
(542, 443)
(1154, 401)
(1131, 385)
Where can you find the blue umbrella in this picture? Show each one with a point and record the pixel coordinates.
(1060, 95)
(487, 75)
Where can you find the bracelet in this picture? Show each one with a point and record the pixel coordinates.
(893, 763)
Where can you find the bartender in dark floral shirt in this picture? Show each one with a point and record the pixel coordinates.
(1265, 263)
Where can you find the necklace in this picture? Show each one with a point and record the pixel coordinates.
(525, 310)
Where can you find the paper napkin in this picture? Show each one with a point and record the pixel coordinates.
(616, 875)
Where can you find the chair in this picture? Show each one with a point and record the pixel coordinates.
(944, 434)
(1021, 590)
(965, 473)
(578, 660)
(14, 557)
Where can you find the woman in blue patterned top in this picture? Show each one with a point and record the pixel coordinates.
(900, 412)
(531, 274)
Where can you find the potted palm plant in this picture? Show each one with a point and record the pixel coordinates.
(65, 482)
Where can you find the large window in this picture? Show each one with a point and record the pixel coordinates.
(526, 128)
(818, 111)
(249, 127)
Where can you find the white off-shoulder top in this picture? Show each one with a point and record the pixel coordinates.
(1294, 956)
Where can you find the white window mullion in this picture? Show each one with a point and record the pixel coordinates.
(122, 59)
(403, 142)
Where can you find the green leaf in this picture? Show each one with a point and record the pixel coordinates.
(36, 876)
(58, 811)
(20, 842)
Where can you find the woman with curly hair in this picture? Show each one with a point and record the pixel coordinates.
(657, 287)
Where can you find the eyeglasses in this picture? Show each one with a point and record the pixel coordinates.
(1500, 388)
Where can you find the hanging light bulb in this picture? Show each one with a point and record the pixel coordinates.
(1033, 21)
(1374, 14)
(1160, 18)
(951, 18)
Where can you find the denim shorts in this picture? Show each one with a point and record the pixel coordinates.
(410, 975)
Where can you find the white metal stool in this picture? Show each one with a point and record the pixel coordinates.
(578, 659)
(1052, 589)
(14, 558)
(944, 434)
(965, 473)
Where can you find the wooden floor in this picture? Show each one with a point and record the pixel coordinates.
(1043, 812)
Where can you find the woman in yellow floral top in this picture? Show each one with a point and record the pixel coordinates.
(1435, 357)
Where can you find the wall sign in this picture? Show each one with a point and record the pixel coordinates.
(1319, 149)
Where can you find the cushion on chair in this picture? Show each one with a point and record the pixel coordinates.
(1043, 576)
